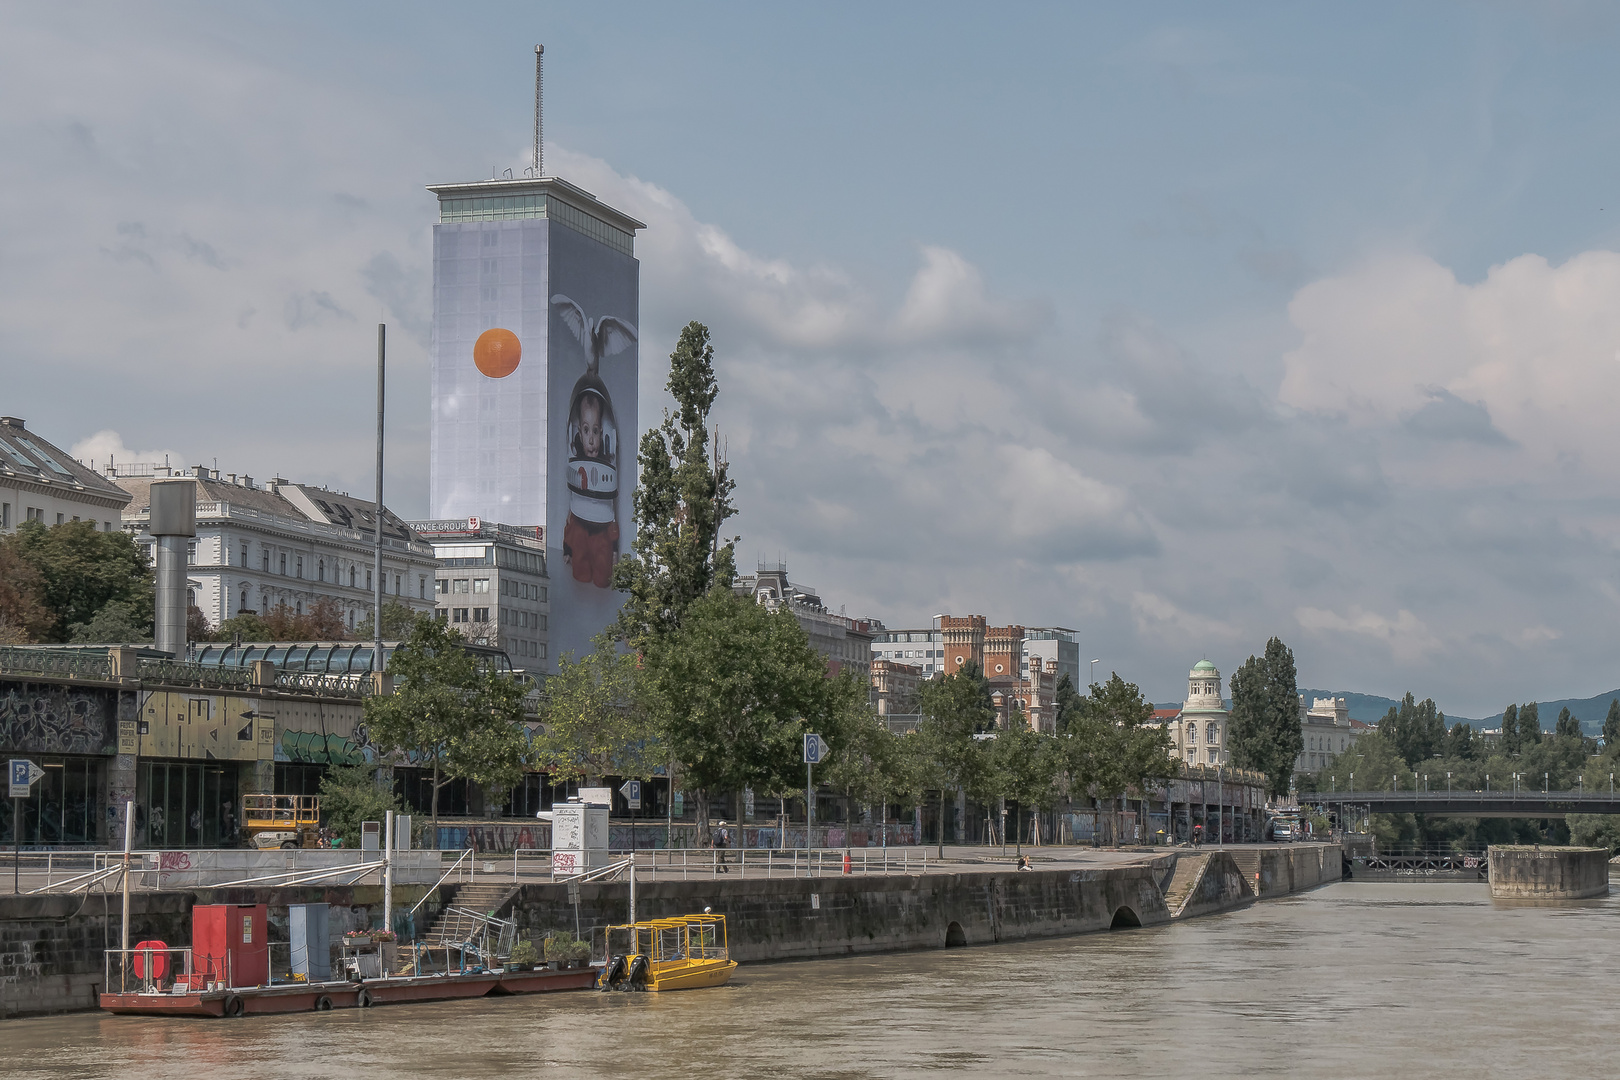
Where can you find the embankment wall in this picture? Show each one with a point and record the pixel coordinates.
(1548, 873)
(52, 946)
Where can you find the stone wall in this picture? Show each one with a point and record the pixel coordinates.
(1548, 873)
(793, 918)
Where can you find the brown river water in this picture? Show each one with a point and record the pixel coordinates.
(1364, 980)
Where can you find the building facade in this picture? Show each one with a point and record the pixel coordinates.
(39, 482)
(260, 546)
(1055, 645)
(1198, 729)
(845, 642)
(921, 649)
(895, 687)
(536, 299)
(1327, 731)
(492, 585)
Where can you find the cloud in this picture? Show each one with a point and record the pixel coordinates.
(1408, 639)
(103, 447)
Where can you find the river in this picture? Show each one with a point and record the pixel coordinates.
(1365, 980)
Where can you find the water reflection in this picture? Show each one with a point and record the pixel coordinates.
(1358, 980)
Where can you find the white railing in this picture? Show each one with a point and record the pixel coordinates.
(534, 865)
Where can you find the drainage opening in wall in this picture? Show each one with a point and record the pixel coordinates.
(954, 936)
(1124, 917)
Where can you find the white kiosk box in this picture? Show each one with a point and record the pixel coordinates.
(579, 836)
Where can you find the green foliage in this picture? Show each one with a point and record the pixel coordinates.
(733, 689)
(1595, 830)
(398, 623)
(450, 712)
(681, 503)
(243, 627)
(74, 572)
(350, 794)
(1529, 726)
(1611, 726)
(1510, 730)
(1066, 704)
(561, 946)
(593, 721)
(1114, 748)
(1567, 726)
(24, 618)
(1026, 766)
(117, 623)
(1416, 731)
(524, 953)
(1264, 732)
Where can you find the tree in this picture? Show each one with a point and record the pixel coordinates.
(246, 626)
(1567, 727)
(733, 691)
(82, 570)
(592, 721)
(867, 765)
(681, 504)
(351, 794)
(399, 621)
(1416, 731)
(1460, 742)
(954, 710)
(1115, 748)
(1026, 765)
(1611, 725)
(1510, 730)
(117, 623)
(451, 712)
(1529, 726)
(1066, 704)
(1264, 732)
(23, 614)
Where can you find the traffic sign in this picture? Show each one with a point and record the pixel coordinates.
(632, 793)
(815, 749)
(22, 774)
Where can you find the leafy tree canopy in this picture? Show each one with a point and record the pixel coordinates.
(73, 572)
(350, 795)
(1264, 732)
(592, 720)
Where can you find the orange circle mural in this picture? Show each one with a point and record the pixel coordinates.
(497, 353)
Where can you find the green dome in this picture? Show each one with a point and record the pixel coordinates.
(1203, 665)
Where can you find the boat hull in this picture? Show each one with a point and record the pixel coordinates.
(542, 982)
(694, 977)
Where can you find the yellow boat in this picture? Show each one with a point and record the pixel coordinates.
(682, 953)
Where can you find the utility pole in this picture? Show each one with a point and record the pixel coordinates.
(377, 599)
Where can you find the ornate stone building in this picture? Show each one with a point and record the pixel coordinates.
(1198, 730)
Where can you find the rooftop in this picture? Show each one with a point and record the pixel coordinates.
(24, 455)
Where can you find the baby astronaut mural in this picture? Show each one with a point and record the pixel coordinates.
(591, 531)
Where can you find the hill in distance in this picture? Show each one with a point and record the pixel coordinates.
(1370, 708)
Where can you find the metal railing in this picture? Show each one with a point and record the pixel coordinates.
(535, 865)
(352, 685)
(60, 662)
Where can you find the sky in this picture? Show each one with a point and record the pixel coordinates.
(1181, 325)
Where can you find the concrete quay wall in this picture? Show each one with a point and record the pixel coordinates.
(1548, 873)
(52, 945)
(799, 918)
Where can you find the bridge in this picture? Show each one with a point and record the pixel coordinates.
(1471, 804)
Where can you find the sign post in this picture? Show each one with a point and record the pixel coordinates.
(631, 790)
(21, 773)
(815, 748)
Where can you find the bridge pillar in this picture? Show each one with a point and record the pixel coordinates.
(1548, 873)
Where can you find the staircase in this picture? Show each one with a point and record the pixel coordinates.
(1248, 864)
(453, 927)
(1189, 871)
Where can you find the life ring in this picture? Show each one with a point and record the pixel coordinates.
(362, 1000)
(323, 1004)
(159, 954)
(234, 1006)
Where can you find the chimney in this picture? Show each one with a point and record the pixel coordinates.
(172, 521)
(13, 421)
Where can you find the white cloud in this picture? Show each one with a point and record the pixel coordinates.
(108, 446)
(1409, 640)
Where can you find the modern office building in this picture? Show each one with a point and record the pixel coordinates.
(39, 482)
(259, 546)
(1055, 645)
(536, 295)
(492, 585)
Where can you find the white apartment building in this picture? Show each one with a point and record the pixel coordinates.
(39, 482)
(1328, 731)
(285, 543)
(492, 585)
(845, 642)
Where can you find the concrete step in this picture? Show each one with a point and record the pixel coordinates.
(486, 899)
(1189, 869)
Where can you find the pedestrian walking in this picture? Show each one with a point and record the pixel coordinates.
(722, 840)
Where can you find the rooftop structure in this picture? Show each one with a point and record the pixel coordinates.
(845, 642)
(39, 482)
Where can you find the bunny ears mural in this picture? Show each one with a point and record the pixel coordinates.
(591, 533)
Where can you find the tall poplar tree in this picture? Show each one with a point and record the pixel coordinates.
(1611, 725)
(681, 503)
(1567, 727)
(1264, 732)
(1510, 730)
(1529, 726)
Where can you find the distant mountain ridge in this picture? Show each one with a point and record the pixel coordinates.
(1370, 708)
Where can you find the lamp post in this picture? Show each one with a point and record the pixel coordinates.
(1094, 664)
(1544, 783)
(1448, 783)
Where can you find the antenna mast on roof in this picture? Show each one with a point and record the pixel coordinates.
(539, 70)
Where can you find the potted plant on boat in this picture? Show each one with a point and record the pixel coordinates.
(565, 950)
(524, 955)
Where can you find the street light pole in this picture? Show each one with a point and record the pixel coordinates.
(1094, 671)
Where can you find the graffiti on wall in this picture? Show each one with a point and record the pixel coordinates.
(209, 727)
(43, 719)
(315, 748)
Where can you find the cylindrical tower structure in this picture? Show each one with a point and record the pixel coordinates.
(172, 521)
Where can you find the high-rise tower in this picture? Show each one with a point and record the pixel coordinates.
(536, 293)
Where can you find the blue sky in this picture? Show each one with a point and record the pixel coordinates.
(1181, 325)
